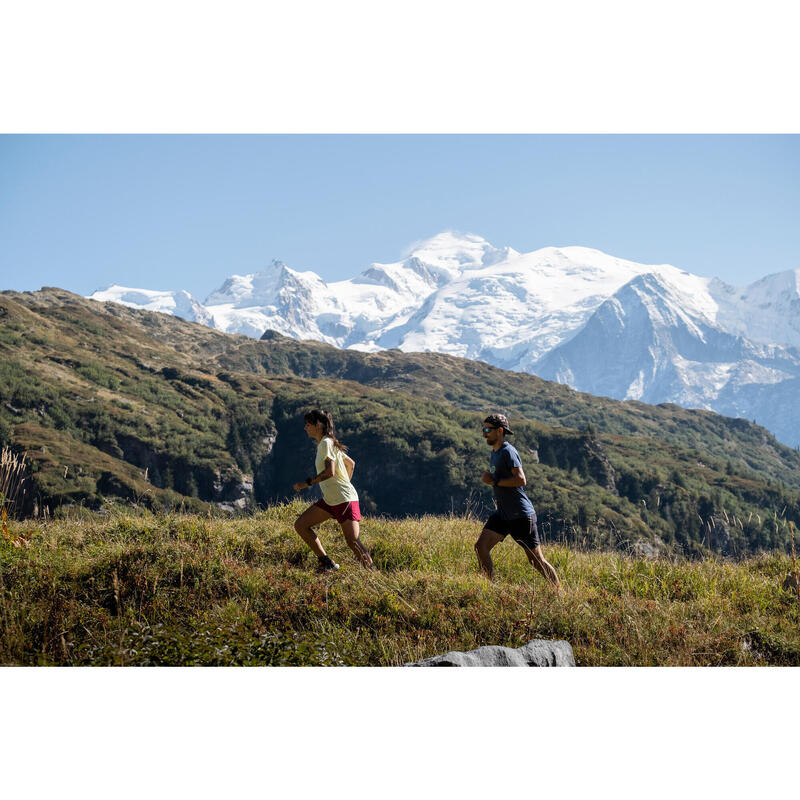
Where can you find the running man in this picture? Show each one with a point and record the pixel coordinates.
(515, 513)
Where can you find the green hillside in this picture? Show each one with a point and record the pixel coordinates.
(474, 385)
(111, 402)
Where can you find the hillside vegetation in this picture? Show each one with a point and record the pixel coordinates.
(474, 385)
(108, 402)
(128, 588)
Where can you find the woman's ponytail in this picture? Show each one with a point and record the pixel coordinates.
(318, 415)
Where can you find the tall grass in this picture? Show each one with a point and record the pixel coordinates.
(142, 588)
(12, 480)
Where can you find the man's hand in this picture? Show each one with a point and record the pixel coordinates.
(299, 486)
(488, 478)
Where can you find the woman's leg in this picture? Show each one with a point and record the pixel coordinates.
(304, 525)
(350, 528)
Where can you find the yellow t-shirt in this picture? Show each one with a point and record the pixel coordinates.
(338, 489)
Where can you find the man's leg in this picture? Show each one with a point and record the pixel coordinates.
(539, 562)
(483, 547)
(304, 525)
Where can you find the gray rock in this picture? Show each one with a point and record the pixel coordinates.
(719, 535)
(791, 581)
(642, 549)
(537, 653)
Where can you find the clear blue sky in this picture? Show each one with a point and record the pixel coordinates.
(184, 212)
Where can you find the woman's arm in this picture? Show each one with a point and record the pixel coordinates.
(328, 472)
(349, 465)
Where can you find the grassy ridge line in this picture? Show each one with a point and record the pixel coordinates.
(139, 588)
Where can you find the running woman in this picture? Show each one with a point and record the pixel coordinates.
(515, 513)
(334, 468)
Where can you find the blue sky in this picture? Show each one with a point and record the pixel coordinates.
(184, 212)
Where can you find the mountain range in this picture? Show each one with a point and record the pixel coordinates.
(114, 403)
(601, 324)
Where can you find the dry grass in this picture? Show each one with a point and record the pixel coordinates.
(12, 479)
(139, 588)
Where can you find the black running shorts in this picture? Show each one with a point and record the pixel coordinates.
(523, 530)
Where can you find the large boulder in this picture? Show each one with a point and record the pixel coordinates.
(537, 653)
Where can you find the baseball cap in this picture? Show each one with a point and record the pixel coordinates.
(498, 421)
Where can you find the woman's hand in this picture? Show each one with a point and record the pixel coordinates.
(299, 486)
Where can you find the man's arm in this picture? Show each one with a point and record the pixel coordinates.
(517, 478)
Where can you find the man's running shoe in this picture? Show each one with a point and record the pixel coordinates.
(327, 564)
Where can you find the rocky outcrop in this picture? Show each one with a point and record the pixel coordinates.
(536, 653)
(233, 491)
(719, 535)
(647, 549)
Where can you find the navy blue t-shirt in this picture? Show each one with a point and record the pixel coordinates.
(512, 502)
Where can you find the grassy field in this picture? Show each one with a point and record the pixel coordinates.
(134, 588)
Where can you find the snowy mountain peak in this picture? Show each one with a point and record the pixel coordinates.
(785, 283)
(178, 303)
(596, 261)
(454, 251)
(767, 310)
(261, 288)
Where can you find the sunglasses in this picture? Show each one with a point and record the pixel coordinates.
(486, 430)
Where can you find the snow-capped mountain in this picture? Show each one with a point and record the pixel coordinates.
(602, 324)
(658, 339)
(452, 293)
(179, 304)
(766, 311)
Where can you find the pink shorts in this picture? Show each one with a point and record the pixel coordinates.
(343, 511)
